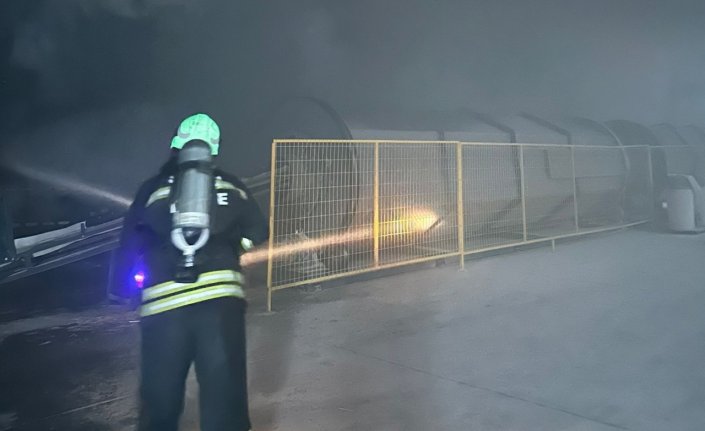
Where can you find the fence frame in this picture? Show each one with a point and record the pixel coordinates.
(461, 252)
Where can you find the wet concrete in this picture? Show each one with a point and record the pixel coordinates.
(68, 359)
(72, 288)
(70, 377)
(603, 334)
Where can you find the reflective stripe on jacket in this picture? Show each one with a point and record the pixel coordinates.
(220, 184)
(210, 285)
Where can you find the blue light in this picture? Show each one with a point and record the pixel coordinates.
(139, 279)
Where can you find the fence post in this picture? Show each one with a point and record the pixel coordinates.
(461, 212)
(375, 222)
(652, 192)
(522, 191)
(270, 259)
(575, 188)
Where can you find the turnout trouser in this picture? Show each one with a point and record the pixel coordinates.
(212, 335)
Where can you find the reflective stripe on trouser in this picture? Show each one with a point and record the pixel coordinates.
(168, 296)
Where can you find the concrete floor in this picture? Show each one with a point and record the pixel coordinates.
(605, 333)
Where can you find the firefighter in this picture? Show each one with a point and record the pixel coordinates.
(192, 302)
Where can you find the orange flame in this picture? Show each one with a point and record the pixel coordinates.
(415, 222)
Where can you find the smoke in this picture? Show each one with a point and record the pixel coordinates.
(84, 52)
(633, 59)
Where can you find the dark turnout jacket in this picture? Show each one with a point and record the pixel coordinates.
(146, 238)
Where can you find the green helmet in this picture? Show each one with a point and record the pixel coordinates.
(201, 127)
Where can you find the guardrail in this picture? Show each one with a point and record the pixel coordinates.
(54, 249)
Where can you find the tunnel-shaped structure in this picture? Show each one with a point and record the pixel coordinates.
(675, 151)
(86, 165)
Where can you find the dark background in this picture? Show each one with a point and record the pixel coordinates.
(634, 59)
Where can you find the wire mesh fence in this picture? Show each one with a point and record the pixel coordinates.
(323, 210)
(345, 207)
(638, 196)
(549, 191)
(417, 201)
(492, 197)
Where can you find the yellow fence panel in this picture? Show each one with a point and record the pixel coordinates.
(347, 207)
(322, 215)
(492, 197)
(417, 201)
